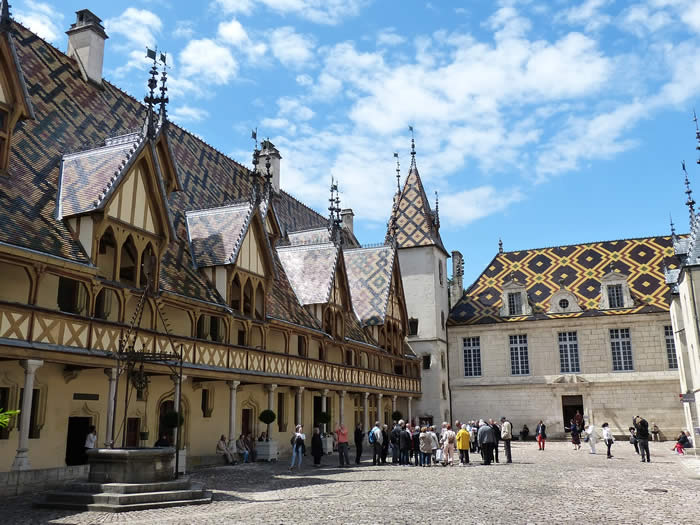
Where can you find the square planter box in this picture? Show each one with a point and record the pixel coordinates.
(327, 445)
(267, 450)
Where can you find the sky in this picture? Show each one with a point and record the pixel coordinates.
(538, 122)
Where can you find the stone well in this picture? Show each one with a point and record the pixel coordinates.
(131, 465)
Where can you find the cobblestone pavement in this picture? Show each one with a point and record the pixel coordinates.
(555, 486)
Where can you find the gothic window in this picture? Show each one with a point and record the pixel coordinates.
(426, 362)
(440, 272)
(72, 296)
(148, 268)
(248, 299)
(260, 302)
(444, 390)
(236, 294)
(127, 264)
(442, 360)
(206, 408)
(106, 255)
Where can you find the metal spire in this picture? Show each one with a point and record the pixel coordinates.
(690, 202)
(5, 14)
(398, 173)
(500, 245)
(673, 227)
(256, 161)
(163, 89)
(268, 176)
(437, 210)
(697, 133)
(413, 149)
(334, 220)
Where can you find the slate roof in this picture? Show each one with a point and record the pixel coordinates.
(415, 221)
(312, 236)
(310, 270)
(216, 234)
(579, 268)
(369, 275)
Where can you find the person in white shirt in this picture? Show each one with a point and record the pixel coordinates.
(298, 446)
(91, 438)
(608, 438)
(591, 436)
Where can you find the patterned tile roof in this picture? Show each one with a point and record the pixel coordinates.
(415, 221)
(313, 236)
(216, 234)
(310, 270)
(87, 176)
(579, 269)
(369, 275)
(284, 304)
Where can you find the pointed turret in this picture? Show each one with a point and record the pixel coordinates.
(5, 15)
(690, 202)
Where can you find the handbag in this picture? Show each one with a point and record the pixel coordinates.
(438, 455)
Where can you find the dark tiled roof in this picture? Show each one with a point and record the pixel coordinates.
(579, 269)
(283, 303)
(414, 220)
(311, 270)
(216, 234)
(369, 275)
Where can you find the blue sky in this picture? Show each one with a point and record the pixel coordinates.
(542, 123)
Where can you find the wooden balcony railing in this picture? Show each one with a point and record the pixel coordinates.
(40, 325)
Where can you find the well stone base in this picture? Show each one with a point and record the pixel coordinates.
(132, 465)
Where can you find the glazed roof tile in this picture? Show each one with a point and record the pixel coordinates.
(369, 275)
(216, 234)
(310, 270)
(579, 269)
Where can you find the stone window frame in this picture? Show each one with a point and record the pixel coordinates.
(471, 353)
(610, 279)
(563, 294)
(513, 286)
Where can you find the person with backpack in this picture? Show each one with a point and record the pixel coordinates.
(641, 428)
(448, 445)
(487, 440)
(359, 438)
(375, 439)
(297, 443)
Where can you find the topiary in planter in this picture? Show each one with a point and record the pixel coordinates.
(173, 419)
(396, 415)
(267, 416)
(324, 418)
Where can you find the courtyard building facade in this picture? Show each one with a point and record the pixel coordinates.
(122, 231)
(544, 333)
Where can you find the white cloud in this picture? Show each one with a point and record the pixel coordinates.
(234, 34)
(137, 60)
(466, 206)
(304, 80)
(291, 48)
(137, 26)
(188, 114)
(389, 37)
(294, 109)
(42, 19)
(640, 19)
(327, 12)
(183, 29)
(207, 61)
(588, 14)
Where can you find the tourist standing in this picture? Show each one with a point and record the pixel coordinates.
(415, 442)
(385, 443)
(633, 439)
(426, 447)
(342, 432)
(434, 441)
(487, 440)
(316, 447)
(463, 443)
(90, 442)
(395, 439)
(575, 436)
(404, 445)
(591, 436)
(641, 428)
(506, 436)
(359, 437)
(448, 445)
(298, 446)
(541, 434)
(497, 437)
(608, 438)
(375, 439)
(473, 441)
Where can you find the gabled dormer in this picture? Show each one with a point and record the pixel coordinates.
(514, 300)
(113, 199)
(615, 291)
(15, 104)
(563, 301)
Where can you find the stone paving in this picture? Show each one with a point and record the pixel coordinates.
(558, 485)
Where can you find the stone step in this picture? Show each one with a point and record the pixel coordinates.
(124, 499)
(103, 507)
(128, 488)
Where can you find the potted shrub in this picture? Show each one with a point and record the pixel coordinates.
(173, 419)
(143, 436)
(267, 450)
(396, 415)
(324, 418)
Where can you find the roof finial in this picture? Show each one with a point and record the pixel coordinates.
(690, 202)
(611, 267)
(437, 210)
(413, 149)
(673, 227)
(151, 98)
(500, 245)
(5, 14)
(398, 173)
(334, 220)
(697, 133)
(268, 176)
(163, 89)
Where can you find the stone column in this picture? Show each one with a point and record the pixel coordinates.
(365, 411)
(270, 403)
(341, 407)
(393, 406)
(324, 406)
(21, 461)
(409, 410)
(176, 408)
(380, 409)
(112, 376)
(300, 391)
(233, 389)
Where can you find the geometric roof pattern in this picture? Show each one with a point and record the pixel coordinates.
(415, 222)
(310, 270)
(216, 234)
(577, 268)
(313, 236)
(369, 275)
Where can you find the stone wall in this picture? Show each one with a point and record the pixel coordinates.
(19, 482)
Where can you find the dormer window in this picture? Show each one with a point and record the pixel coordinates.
(614, 291)
(514, 299)
(563, 302)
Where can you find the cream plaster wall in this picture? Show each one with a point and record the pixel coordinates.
(15, 283)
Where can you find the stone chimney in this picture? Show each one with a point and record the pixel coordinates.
(86, 43)
(347, 216)
(268, 148)
(457, 278)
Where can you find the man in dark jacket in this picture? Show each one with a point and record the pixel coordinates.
(487, 440)
(416, 445)
(395, 439)
(404, 445)
(641, 428)
(497, 436)
(359, 437)
(385, 443)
